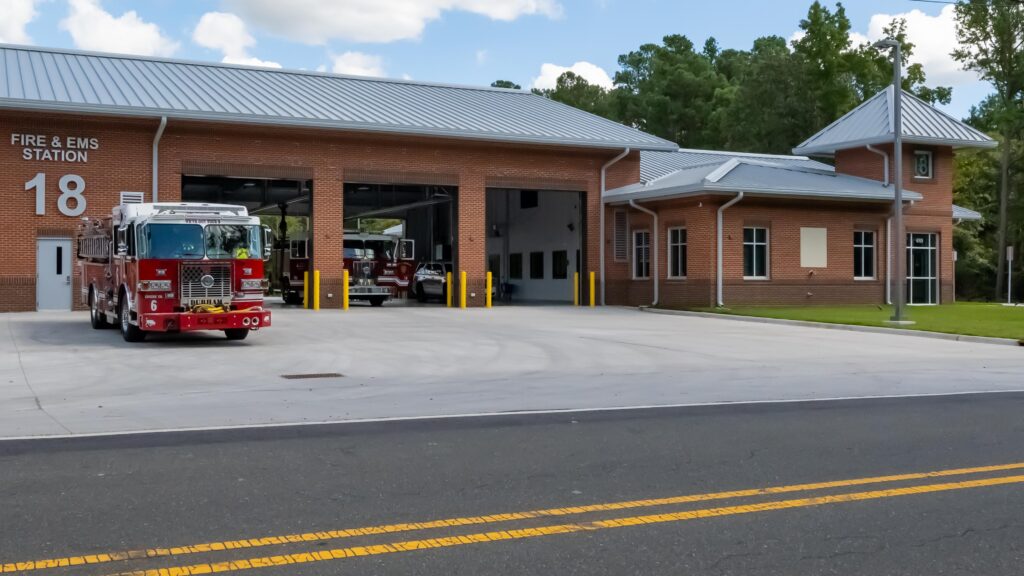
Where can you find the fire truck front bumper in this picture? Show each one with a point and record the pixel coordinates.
(192, 321)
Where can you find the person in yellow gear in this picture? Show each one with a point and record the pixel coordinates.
(241, 252)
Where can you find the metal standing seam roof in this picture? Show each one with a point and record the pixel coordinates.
(654, 165)
(961, 213)
(757, 178)
(872, 123)
(46, 79)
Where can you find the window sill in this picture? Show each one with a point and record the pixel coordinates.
(756, 278)
(864, 279)
(675, 278)
(641, 279)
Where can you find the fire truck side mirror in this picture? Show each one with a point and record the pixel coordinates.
(407, 249)
(268, 242)
(122, 249)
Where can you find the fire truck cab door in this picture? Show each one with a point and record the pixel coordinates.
(53, 274)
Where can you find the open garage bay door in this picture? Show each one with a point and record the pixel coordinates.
(535, 244)
(285, 205)
(402, 236)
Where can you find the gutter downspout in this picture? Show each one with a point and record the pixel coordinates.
(718, 229)
(156, 157)
(888, 228)
(885, 156)
(600, 219)
(888, 260)
(654, 241)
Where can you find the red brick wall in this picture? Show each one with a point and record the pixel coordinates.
(122, 162)
(788, 282)
(931, 214)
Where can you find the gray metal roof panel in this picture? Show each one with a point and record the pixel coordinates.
(93, 83)
(872, 123)
(761, 178)
(961, 213)
(655, 165)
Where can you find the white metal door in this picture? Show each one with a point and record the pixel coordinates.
(53, 274)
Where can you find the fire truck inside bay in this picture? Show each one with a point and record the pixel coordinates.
(380, 266)
(174, 267)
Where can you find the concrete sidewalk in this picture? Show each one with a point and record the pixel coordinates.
(58, 376)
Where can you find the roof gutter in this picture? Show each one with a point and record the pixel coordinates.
(885, 155)
(718, 229)
(600, 244)
(156, 158)
(654, 241)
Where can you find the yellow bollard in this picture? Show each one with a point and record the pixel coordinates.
(575, 288)
(448, 289)
(305, 289)
(487, 298)
(316, 289)
(593, 283)
(462, 289)
(344, 289)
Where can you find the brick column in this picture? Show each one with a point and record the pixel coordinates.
(591, 244)
(328, 225)
(472, 238)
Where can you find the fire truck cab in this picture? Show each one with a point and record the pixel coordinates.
(174, 267)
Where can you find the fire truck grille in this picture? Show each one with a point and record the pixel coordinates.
(195, 291)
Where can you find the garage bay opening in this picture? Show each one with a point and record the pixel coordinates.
(535, 245)
(400, 242)
(285, 206)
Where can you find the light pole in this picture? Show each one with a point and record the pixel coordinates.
(897, 128)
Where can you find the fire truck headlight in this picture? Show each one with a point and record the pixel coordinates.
(154, 285)
(252, 284)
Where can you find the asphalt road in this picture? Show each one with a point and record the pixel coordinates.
(245, 490)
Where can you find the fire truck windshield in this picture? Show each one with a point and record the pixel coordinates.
(233, 241)
(177, 241)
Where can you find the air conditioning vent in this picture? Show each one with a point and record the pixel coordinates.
(133, 197)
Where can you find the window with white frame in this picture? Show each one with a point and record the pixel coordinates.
(923, 168)
(863, 255)
(755, 253)
(641, 254)
(677, 252)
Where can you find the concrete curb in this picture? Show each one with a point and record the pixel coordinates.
(848, 327)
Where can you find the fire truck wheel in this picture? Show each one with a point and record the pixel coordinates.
(236, 333)
(129, 332)
(96, 316)
(377, 301)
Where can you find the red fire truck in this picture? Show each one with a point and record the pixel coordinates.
(380, 266)
(174, 267)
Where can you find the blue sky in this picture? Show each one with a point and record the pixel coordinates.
(458, 41)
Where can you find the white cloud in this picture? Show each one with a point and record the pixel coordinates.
(317, 21)
(934, 37)
(18, 13)
(227, 33)
(481, 56)
(358, 64)
(93, 28)
(592, 73)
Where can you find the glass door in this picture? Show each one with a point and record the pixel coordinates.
(922, 268)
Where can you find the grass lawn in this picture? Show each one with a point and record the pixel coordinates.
(971, 318)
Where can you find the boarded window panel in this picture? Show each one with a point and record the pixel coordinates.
(813, 247)
(620, 236)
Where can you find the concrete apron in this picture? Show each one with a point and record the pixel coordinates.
(59, 377)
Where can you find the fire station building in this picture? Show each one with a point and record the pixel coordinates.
(482, 180)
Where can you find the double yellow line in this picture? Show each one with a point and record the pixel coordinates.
(517, 534)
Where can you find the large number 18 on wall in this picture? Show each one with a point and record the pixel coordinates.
(71, 187)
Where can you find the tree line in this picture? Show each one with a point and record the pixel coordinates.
(778, 93)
